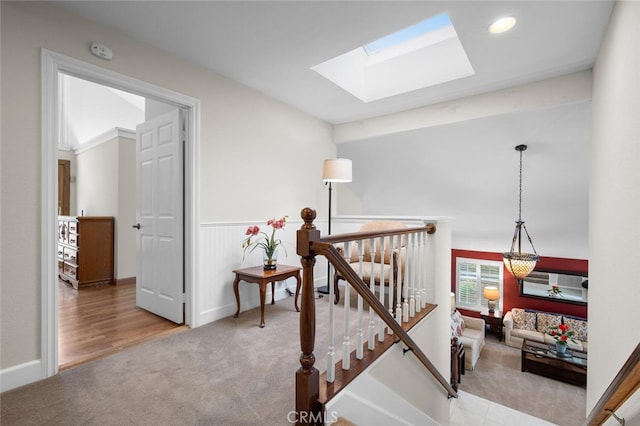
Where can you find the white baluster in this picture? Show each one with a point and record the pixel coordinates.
(401, 279)
(391, 265)
(419, 273)
(381, 324)
(346, 343)
(412, 290)
(372, 319)
(359, 332)
(331, 354)
(407, 282)
(425, 269)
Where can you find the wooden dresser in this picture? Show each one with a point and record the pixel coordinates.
(86, 250)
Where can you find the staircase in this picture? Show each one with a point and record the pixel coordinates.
(367, 401)
(395, 369)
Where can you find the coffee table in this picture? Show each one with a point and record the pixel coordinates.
(540, 358)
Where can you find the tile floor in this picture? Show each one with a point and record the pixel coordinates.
(470, 410)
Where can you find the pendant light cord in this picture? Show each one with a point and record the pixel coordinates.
(520, 192)
(520, 224)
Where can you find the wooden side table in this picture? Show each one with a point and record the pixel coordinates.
(493, 322)
(258, 275)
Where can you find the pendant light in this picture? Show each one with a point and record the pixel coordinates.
(520, 264)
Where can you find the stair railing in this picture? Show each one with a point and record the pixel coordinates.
(310, 245)
(625, 384)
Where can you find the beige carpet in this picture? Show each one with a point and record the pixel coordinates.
(497, 377)
(232, 372)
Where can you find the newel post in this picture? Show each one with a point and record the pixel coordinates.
(307, 376)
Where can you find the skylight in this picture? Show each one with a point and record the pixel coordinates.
(407, 34)
(421, 55)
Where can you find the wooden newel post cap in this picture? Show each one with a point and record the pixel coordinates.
(308, 215)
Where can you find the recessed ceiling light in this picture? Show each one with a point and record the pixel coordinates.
(502, 25)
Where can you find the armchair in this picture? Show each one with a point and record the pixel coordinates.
(387, 263)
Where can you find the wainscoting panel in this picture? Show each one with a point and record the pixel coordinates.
(221, 253)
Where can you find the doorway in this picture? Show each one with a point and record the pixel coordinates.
(53, 66)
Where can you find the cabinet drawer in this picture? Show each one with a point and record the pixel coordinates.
(70, 271)
(60, 252)
(73, 240)
(63, 232)
(73, 227)
(70, 255)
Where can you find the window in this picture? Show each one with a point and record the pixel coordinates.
(472, 276)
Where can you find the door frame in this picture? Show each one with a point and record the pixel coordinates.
(53, 64)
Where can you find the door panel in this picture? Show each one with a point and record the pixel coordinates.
(160, 279)
(64, 187)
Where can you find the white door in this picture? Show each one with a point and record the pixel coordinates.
(159, 154)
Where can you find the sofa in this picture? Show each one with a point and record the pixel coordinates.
(534, 325)
(470, 332)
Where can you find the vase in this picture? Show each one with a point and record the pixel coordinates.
(561, 348)
(270, 263)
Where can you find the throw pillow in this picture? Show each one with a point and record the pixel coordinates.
(579, 328)
(454, 329)
(457, 317)
(523, 320)
(546, 321)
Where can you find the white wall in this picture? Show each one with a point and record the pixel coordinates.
(90, 109)
(457, 159)
(614, 202)
(258, 157)
(97, 179)
(126, 236)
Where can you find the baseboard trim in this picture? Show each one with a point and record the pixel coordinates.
(247, 303)
(127, 280)
(20, 375)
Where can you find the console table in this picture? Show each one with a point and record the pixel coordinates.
(258, 275)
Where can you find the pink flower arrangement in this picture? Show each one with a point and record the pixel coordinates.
(561, 333)
(269, 243)
(554, 291)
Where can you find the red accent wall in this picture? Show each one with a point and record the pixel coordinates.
(511, 297)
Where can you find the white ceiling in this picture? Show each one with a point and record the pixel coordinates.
(467, 170)
(270, 46)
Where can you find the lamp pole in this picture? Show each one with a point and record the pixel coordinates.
(325, 290)
(334, 170)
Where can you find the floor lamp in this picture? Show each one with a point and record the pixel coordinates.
(334, 170)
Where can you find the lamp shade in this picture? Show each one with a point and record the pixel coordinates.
(453, 302)
(491, 293)
(336, 170)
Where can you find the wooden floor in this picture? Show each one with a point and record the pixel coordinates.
(97, 321)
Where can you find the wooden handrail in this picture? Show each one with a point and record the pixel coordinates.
(309, 245)
(625, 384)
(353, 236)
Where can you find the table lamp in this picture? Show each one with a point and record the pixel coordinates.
(491, 294)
